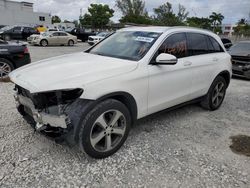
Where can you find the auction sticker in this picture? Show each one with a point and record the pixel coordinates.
(144, 39)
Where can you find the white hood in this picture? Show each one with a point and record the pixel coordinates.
(69, 71)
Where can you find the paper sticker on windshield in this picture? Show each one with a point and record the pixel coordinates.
(144, 39)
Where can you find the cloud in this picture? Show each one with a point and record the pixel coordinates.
(70, 9)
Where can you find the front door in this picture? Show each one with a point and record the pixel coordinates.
(170, 85)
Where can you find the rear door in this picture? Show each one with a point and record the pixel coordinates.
(63, 38)
(202, 61)
(16, 33)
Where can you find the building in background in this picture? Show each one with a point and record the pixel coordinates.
(21, 13)
(227, 29)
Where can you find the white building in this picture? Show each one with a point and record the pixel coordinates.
(21, 13)
(227, 29)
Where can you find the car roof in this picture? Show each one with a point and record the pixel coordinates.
(163, 29)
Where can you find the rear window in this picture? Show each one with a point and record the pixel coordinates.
(216, 45)
(197, 44)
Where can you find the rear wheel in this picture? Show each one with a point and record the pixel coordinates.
(5, 68)
(44, 43)
(216, 94)
(6, 37)
(105, 129)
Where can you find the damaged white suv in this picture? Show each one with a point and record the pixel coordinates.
(92, 98)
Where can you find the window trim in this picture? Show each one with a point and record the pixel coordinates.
(151, 61)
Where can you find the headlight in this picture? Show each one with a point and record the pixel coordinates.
(46, 99)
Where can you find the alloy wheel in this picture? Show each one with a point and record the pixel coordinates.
(218, 94)
(108, 131)
(5, 69)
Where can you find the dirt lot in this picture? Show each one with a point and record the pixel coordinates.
(188, 147)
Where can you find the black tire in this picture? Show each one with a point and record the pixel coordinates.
(44, 43)
(7, 67)
(90, 126)
(71, 43)
(211, 102)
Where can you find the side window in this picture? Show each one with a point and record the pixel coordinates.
(210, 45)
(17, 29)
(55, 34)
(197, 44)
(216, 45)
(63, 34)
(176, 45)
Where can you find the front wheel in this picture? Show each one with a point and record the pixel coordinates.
(44, 43)
(216, 94)
(105, 129)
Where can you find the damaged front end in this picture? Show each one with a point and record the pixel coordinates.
(46, 111)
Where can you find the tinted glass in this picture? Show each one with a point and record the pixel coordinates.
(56, 34)
(210, 45)
(197, 44)
(63, 34)
(176, 45)
(17, 28)
(216, 45)
(130, 45)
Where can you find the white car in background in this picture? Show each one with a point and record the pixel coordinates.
(53, 38)
(95, 39)
(92, 98)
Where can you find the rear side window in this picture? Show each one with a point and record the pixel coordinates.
(63, 34)
(176, 45)
(216, 45)
(197, 44)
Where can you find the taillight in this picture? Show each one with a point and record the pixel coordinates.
(26, 50)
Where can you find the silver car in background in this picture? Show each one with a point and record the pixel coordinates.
(53, 38)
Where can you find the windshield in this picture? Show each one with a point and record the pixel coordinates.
(102, 34)
(130, 45)
(6, 28)
(240, 47)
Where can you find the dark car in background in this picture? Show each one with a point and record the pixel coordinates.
(81, 34)
(12, 56)
(227, 43)
(17, 32)
(240, 53)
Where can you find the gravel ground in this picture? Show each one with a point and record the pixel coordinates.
(188, 147)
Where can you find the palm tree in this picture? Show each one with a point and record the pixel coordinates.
(216, 19)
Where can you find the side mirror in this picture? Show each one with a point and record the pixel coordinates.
(166, 59)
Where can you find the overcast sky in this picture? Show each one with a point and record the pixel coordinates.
(233, 10)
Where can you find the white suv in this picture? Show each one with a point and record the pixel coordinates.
(92, 98)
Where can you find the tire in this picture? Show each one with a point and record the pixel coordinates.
(99, 136)
(215, 95)
(44, 43)
(71, 43)
(5, 68)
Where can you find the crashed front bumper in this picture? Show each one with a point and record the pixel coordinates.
(41, 118)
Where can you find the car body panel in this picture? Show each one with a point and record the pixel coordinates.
(154, 87)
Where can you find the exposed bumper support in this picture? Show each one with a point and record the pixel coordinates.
(41, 118)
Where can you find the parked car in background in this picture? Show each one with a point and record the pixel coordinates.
(93, 98)
(16, 32)
(53, 38)
(94, 39)
(1, 26)
(240, 53)
(12, 56)
(81, 34)
(227, 43)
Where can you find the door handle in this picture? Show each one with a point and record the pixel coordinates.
(187, 63)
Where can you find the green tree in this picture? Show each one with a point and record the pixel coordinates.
(98, 16)
(216, 19)
(242, 28)
(204, 23)
(164, 15)
(133, 11)
(56, 19)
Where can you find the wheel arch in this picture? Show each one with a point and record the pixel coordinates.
(125, 98)
(226, 75)
(10, 60)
